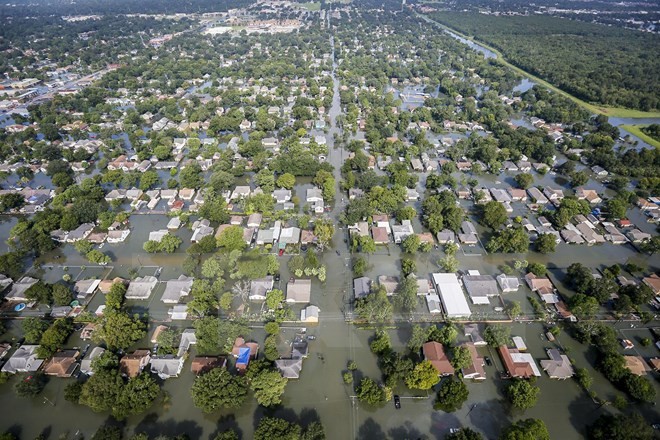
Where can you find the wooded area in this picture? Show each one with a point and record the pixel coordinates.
(614, 67)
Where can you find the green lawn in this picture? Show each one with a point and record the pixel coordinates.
(312, 6)
(614, 112)
(635, 130)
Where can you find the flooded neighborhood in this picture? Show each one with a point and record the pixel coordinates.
(336, 220)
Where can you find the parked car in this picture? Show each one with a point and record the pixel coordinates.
(397, 402)
(281, 252)
(488, 361)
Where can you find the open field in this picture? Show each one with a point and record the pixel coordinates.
(636, 131)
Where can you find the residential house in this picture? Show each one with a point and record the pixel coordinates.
(85, 288)
(518, 195)
(201, 228)
(141, 287)
(637, 236)
(446, 236)
(204, 364)
(86, 364)
(434, 353)
(298, 291)
(589, 195)
(361, 287)
(62, 364)
(289, 236)
(390, 283)
(537, 196)
(177, 289)
(310, 314)
(402, 231)
(131, 365)
(254, 220)
(636, 365)
(599, 171)
(473, 331)
(553, 194)
(354, 193)
(508, 283)
(518, 365)
(24, 360)
(282, 195)
(289, 368)
(259, 288)
(17, 292)
(558, 366)
(158, 235)
(653, 281)
(380, 235)
(480, 288)
(315, 199)
(178, 313)
(244, 352)
(475, 370)
(167, 366)
(240, 192)
(80, 233)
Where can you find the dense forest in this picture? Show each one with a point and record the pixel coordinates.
(82, 7)
(613, 67)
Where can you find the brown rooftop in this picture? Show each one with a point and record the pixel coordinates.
(434, 352)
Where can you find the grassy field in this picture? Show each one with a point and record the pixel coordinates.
(312, 6)
(635, 130)
(596, 109)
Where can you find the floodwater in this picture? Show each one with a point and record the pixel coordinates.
(320, 391)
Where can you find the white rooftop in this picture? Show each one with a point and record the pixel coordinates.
(451, 294)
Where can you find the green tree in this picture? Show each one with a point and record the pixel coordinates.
(461, 357)
(272, 428)
(101, 391)
(324, 230)
(410, 244)
(219, 389)
(375, 307)
(62, 295)
(33, 328)
(546, 243)
(522, 394)
(417, 338)
(136, 396)
(423, 376)
(493, 214)
(381, 342)
(497, 335)
(451, 395)
(268, 387)
(448, 263)
(40, 292)
(370, 392)
(446, 335)
(621, 427)
(190, 176)
(464, 434)
(30, 386)
(98, 257)
(119, 330)
(408, 266)
(232, 239)
(524, 180)
(513, 309)
(360, 266)
(406, 297)
(54, 337)
(512, 240)
(286, 180)
(270, 348)
(528, 429)
(274, 299)
(170, 243)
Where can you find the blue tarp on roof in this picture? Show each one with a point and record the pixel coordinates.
(243, 356)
